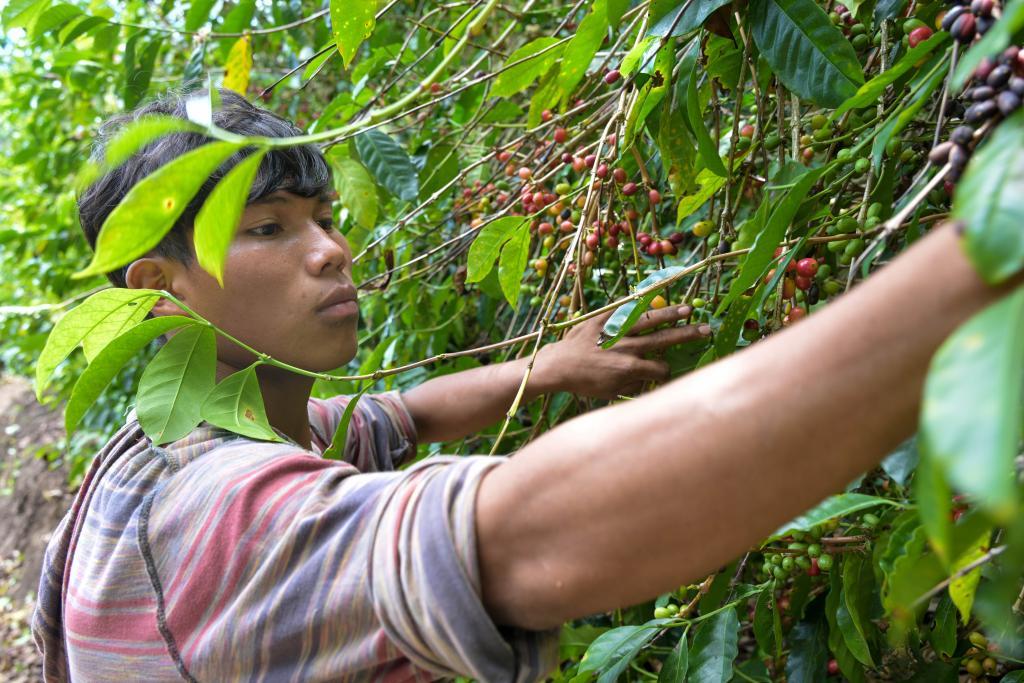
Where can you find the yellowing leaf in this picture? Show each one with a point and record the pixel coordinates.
(239, 64)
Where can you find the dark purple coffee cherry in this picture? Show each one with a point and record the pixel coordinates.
(962, 135)
(958, 157)
(964, 28)
(1008, 102)
(951, 16)
(1016, 84)
(982, 92)
(980, 112)
(1000, 76)
(982, 8)
(984, 24)
(940, 153)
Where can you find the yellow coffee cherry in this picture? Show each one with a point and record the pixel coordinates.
(703, 228)
(658, 302)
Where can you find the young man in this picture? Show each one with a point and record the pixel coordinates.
(223, 558)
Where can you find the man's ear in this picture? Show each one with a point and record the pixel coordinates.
(156, 272)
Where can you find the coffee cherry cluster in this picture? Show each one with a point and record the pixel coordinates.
(802, 554)
(967, 20)
(977, 661)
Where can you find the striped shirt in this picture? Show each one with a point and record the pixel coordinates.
(222, 558)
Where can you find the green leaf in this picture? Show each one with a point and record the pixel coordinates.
(356, 190)
(78, 27)
(835, 506)
(970, 412)
(389, 163)
(149, 210)
(175, 383)
(888, 9)
(761, 254)
(912, 576)
(441, 167)
(695, 13)
(715, 646)
(139, 73)
(487, 245)
(808, 654)
(613, 650)
(351, 24)
(336, 450)
(519, 77)
(705, 145)
(992, 43)
(932, 495)
(198, 13)
(764, 622)
(53, 18)
(21, 13)
(709, 183)
(943, 634)
(963, 588)
(237, 20)
(236, 405)
(100, 318)
(902, 462)
(1013, 677)
(810, 55)
(848, 664)
(988, 203)
(869, 93)
(858, 589)
(923, 86)
(218, 219)
(580, 51)
(512, 263)
(109, 362)
(626, 315)
(140, 133)
(676, 664)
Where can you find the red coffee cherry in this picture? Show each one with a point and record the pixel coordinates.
(807, 267)
(629, 189)
(561, 135)
(611, 76)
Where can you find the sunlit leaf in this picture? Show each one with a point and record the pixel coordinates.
(835, 506)
(487, 245)
(512, 263)
(238, 66)
(356, 191)
(519, 77)
(351, 24)
(236, 405)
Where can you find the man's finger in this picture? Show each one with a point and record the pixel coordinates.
(657, 370)
(663, 339)
(651, 318)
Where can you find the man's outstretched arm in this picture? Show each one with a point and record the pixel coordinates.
(575, 523)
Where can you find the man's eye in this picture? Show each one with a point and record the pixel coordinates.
(265, 230)
(326, 223)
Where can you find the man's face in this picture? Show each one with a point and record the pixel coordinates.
(288, 289)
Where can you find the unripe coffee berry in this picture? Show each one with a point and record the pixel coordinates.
(525, 173)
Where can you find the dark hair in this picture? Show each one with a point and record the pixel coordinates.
(301, 170)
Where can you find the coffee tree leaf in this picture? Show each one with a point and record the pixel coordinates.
(21, 13)
(810, 55)
(943, 633)
(995, 40)
(988, 202)
(198, 13)
(322, 56)
(356, 190)
(149, 210)
(888, 9)
(902, 462)
(441, 167)
(676, 664)
(764, 622)
(1013, 677)
(932, 494)
(708, 183)
(913, 575)
(528, 67)
(512, 263)
(715, 646)
(853, 611)
(705, 145)
(852, 669)
(580, 51)
(962, 588)
(808, 654)
(53, 18)
(487, 245)
(236, 405)
(175, 383)
(694, 14)
(95, 321)
(389, 164)
(869, 93)
(336, 451)
(613, 650)
(218, 219)
(138, 73)
(351, 24)
(970, 411)
(239, 65)
(625, 316)
(140, 133)
(239, 18)
(78, 27)
(835, 506)
(109, 362)
(931, 76)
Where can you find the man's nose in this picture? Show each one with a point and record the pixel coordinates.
(326, 251)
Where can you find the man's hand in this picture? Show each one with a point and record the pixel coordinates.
(579, 365)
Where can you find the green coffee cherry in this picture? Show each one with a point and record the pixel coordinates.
(869, 520)
(803, 562)
(788, 563)
(875, 209)
(825, 562)
(661, 613)
(814, 550)
(862, 165)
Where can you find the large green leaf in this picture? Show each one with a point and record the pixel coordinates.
(934, 507)
(109, 362)
(765, 631)
(95, 321)
(581, 49)
(694, 14)
(988, 202)
(52, 19)
(140, 133)
(21, 13)
(487, 245)
(351, 24)
(389, 163)
(138, 72)
(519, 77)
(848, 664)
(356, 190)
(888, 9)
(708, 183)
(512, 263)
(962, 588)
(808, 654)
(236, 405)
(613, 650)
(970, 412)
(676, 664)
(809, 55)
(853, 611)
(217, 220)
(943, 635)
(835, 506)
(149, 210)
(869, 93)
(715, 646)
(707, 147)
(626, 315)
(336, 450)
(197, 14)
(176, 382)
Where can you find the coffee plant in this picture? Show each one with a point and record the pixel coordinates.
(506, 170)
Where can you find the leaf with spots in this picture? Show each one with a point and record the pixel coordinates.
(149, 210)
(356, 191)
(352, 22)
(236, 405)
(239, 65)
(970, 412)
(218, 219)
